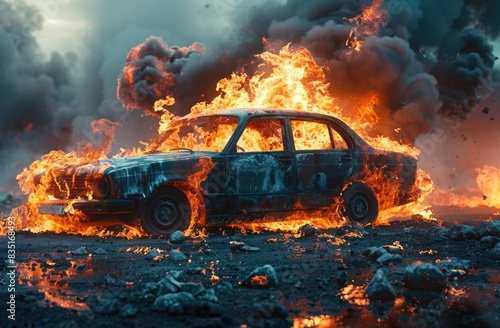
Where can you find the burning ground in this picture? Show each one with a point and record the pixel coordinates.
(428, 274)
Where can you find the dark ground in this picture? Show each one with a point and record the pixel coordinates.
(321, 279)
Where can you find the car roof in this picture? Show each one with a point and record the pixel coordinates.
(249, 112)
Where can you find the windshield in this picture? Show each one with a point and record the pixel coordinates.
(207, 133)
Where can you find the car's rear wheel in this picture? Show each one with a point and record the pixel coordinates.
(166, 210)
(360, 203)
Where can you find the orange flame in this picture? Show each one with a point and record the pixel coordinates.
(369, 22)
(288, 79)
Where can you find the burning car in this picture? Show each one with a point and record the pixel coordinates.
(236, 163)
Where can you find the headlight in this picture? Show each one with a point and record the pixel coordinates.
(101, 188)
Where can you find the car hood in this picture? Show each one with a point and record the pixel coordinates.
(115, 165)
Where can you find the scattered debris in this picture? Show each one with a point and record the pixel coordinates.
(379, 289)
(424, 277)
(80, 251)
(262, 277)
(488, 228)
(454, 268)
(128, 311)
(176, 255)
(393, 249)
(387, 258)
(307, 230)
(235, 245)
(107, 306)
(462, 232)
(153, 254)
(99, 251)
(92, 301)
(175, 303)
(177, 237)
(490, 241)
(241, 246)
(486, 110)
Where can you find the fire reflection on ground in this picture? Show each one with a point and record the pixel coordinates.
(54, 280)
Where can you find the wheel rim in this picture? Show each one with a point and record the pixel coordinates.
(359, 206)
(164, 214)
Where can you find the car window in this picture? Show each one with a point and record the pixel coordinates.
(260, 136)
(208, 133)
(309, 135)
(339, 142)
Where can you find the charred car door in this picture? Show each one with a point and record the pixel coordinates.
(261, 169)
(324, 161)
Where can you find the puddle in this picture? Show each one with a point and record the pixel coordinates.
(55, 279)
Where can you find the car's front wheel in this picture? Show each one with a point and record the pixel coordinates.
(166, 210)
(360, 203)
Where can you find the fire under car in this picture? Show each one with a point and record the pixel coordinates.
(236, 164)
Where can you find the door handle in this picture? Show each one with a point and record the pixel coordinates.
(347, 158)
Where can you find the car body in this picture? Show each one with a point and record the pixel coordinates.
(256, 161)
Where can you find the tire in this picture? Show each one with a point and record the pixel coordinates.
(165, 211)
(360, 204)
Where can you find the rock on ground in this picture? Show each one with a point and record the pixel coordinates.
(177, 237)
(424, 277)
(176, 303)
(261, 277)
(462, 232)
(379, 289)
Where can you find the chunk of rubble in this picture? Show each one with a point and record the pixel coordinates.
(80, 251)
(164, 286)
(176, 255)
(178, 275)
(462, 232)
(177, 237)
(153, 254)
(379, 289)
(99, 251)
(488, 228)
(375, 252)
(193, 288)
(236, 244)
(424, 277)
(241, 246)
(490, 241)
(307, 230)
(387, 258)
(262, 277)
(393, 249)
(107, 306)
(175, 303)
(454, 267)
(128, 311)
(436, 233)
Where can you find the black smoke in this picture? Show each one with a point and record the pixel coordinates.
(425, 63)
(37, 98)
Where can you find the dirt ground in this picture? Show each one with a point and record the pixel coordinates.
(320, 278)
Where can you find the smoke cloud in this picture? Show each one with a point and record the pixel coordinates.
(425, 62)
(36, 93)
